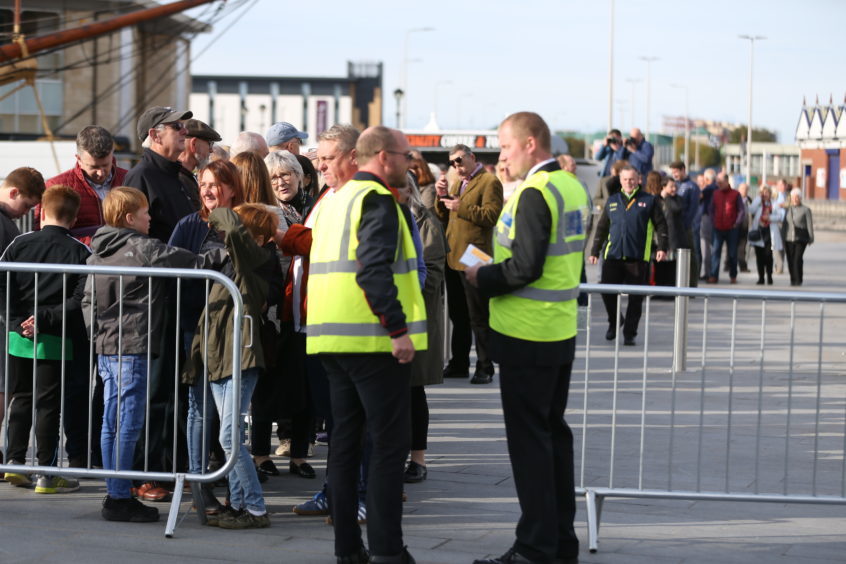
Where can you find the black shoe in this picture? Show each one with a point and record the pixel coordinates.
(453, 372)
(481, 377)
(629, 342)
(360, 557)
(611, 333)
(760, 282)
(770, 279)
(510, 557)
(305, 470)
(267, 467)
(129, 510)
(415, 473)
(403, 557)
(262, 477)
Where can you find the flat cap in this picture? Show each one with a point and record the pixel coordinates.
(198, 129)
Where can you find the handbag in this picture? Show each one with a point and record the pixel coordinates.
(754, 235)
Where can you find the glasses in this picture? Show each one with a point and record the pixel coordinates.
(455, 162)
(276, 178)
(407, 154)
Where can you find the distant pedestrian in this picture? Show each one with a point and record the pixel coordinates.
(727, 211)
(640, 153)
(798, 233)
(763, 232)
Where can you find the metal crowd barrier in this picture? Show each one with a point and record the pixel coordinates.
(753, 411)
(174, 475)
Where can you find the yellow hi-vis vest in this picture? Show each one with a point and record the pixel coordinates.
(544, 310)
(339, 317)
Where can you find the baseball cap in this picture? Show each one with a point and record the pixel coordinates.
(198, 129)
(283, 131)
(158, 115)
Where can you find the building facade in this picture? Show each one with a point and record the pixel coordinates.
(821, 136)
(231, 104)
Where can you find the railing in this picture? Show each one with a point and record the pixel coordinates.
(174, 475)
(758, 415)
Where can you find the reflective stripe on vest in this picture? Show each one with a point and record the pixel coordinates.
(544, 295)
(340, 318)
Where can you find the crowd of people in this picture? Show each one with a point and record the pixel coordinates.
(341, 256)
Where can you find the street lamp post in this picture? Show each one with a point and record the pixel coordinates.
(405, 61)
(398, 93)
(649, 61)
(633, 82)
(752, 39)
(686, 125)
(611, 71)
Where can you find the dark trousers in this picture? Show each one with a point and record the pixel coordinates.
(477, 308)
(419, 418)
(540, 445)
(795, 252)
(368, 391)
(764, 256)
(48, 389)
(462, 337)
(729, 237)
(616, 271)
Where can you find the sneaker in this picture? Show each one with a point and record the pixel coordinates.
(18, 478)
(213, 517)
(362, 515)
(284, 448)
(318, 505)
(243, 520)
(128, 510)
(56, 485)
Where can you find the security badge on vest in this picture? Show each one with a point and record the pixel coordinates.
(339, 318)
(544, 310)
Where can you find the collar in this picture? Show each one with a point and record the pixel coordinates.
(59, 228)
(169, 167)
(370, 177)
(549, 165)
(634, 193)
(479, 167)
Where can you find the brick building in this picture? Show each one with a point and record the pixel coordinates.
(821, 136)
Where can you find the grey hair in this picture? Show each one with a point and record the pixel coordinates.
(344, 134)
(96, 141)
(461, 147)
(284, 161)
(710, 175)
(248, 141)
(148, 141)
(796, 192)
(415, 201)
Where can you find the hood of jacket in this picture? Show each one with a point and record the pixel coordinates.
(108, 240)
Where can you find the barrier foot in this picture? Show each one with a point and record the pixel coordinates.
(594, 514)
(174, 505)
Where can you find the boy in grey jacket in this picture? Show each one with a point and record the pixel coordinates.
(125, 316)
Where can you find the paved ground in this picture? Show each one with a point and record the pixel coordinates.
(467, 508)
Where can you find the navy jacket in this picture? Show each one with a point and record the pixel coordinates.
(627, 224)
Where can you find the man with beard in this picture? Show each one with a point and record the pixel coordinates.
(366, 319)
(198, 148)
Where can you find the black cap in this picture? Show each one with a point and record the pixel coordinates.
(200, 130)
(158, 115)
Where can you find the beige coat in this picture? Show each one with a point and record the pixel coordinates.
(428, 366)
(475, 218)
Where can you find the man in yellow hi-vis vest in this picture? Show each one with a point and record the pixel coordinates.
(366, 318)
(533, 285)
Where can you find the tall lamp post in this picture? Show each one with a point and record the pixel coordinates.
(752, 39)
(649, 61)
(686, 125)
(404, 85)
(398, 94)
(633, 82)
(611, 71)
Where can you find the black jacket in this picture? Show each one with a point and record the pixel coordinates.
(169, 196)
(625, 226)
(51, 245)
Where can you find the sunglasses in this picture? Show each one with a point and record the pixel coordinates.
(175, 125)
(455, 162)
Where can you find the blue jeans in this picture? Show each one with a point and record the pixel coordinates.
(729, 237)
(199, 399)
(244, 488)
(129, 373)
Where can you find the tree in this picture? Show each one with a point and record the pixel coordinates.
(708, 155)
(576, 144)
(758, 134)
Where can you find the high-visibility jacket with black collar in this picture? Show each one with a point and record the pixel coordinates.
(627, 226)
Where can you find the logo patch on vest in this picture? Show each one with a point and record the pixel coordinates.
(507, 219)
(612, 206)
(573, 223)
(641, 204)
